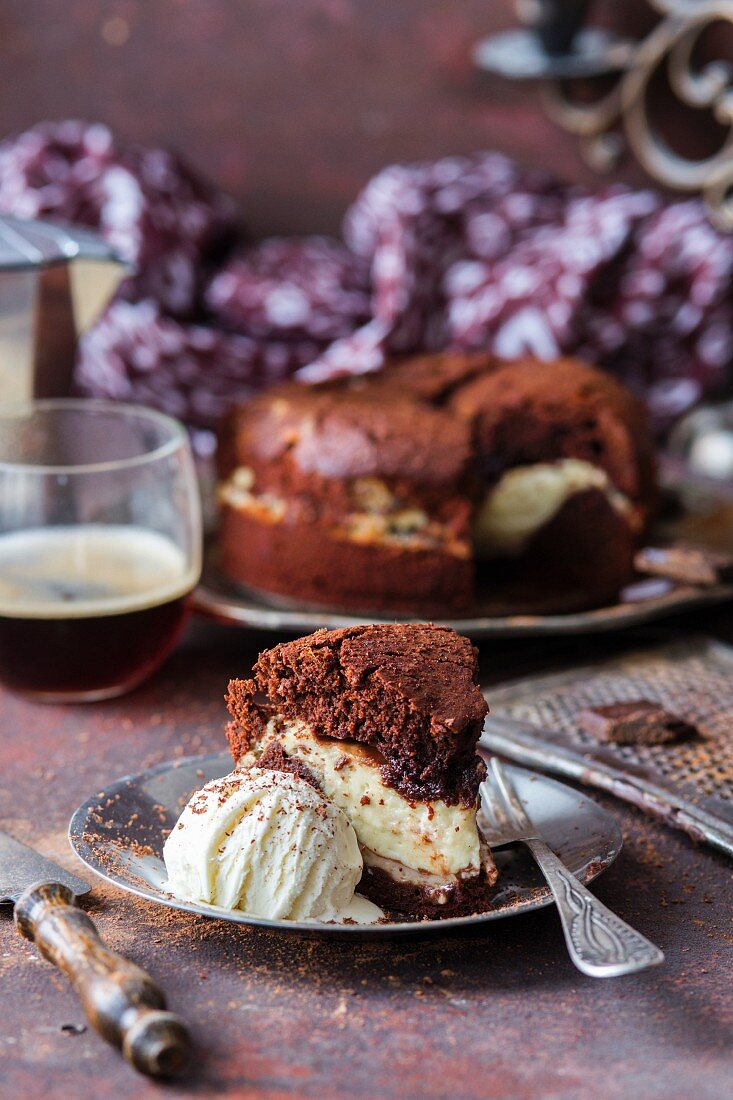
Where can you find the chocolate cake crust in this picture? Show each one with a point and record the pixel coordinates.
(409, 691)
(331, 432)
(459, 899)
(530, 411)
(584, 554)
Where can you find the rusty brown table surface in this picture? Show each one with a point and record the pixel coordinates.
(496, 1012)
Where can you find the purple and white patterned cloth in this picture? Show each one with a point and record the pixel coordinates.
(310, 288)
(472, 252)
(150, 206)
(135, 352)
(468, 252)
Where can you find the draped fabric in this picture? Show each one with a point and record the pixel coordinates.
(470, 252)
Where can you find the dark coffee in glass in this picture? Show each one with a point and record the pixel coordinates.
(95, 595)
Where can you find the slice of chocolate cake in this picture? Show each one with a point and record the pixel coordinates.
(386, 720)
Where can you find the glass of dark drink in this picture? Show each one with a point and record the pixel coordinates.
(100, 546)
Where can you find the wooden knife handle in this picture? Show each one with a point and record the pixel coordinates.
(120, 1000)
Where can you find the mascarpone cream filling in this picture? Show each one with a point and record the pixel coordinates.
(379, 517)
(433, 838)
(238, 492)
(527, 497)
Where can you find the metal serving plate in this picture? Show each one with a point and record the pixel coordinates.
(120, 833)
(220, 600)
(702, 512)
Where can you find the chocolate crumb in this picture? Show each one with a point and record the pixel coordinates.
(275, 759)
(636, 722)
(686, 564)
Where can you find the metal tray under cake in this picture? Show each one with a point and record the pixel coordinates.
(704, 514)
(687, 784)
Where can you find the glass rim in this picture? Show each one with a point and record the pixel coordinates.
(178, 435)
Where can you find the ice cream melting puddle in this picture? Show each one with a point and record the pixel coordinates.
(359, 911)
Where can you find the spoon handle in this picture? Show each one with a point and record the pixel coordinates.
(599, 942)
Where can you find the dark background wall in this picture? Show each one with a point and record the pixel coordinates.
(290, 104)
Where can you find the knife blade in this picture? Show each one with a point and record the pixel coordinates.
(20, 866)
(120, 1000)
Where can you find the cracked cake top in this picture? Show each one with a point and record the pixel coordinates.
(410, 692)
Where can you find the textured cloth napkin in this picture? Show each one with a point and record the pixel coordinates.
(472, 252)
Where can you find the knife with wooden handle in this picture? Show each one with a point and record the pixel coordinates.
(120, 1000)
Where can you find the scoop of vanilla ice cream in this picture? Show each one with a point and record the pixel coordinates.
(265, 842)
(526, 497)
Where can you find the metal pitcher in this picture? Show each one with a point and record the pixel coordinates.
(54, 281)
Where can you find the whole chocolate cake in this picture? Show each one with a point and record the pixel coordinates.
(385, 721)
(404, 490)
